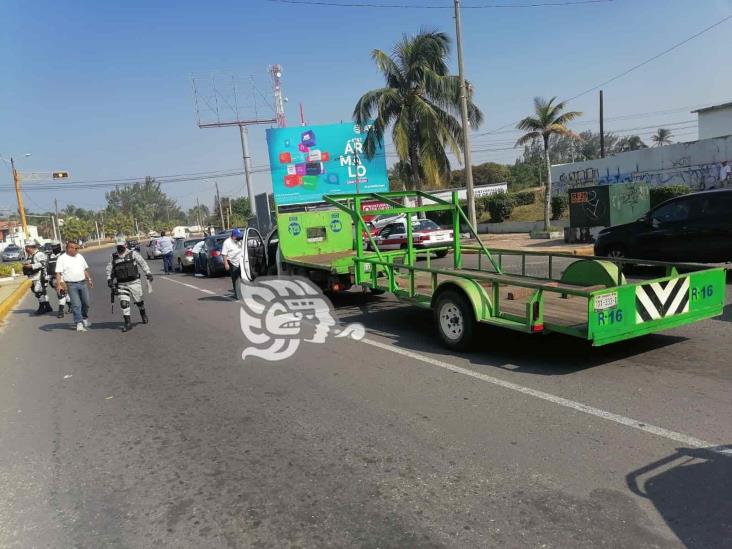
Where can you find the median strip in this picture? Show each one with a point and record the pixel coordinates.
(10, 300)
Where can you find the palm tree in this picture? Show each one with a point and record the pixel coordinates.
(662, 137)
(630, 143)
(548, 120)
(421, 102)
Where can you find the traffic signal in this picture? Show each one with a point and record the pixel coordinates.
(60, 175)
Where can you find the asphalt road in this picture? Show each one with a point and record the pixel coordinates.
(165, 437)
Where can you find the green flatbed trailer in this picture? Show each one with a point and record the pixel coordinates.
(590, 298)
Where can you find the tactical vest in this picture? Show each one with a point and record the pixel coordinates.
(51, 265)
(124, 269)
(27, 269)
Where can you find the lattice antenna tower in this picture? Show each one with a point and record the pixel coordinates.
(275, 72)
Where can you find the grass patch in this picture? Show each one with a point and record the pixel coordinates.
(6, 269)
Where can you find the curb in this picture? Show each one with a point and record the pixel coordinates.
(578, 252)
(12, 299)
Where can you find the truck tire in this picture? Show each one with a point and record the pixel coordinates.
(455, 320)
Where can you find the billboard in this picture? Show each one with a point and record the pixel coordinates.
(310, 161)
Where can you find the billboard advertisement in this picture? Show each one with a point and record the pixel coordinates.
(310, 161)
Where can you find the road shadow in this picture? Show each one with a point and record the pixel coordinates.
(413, 328)
(726, 314)
(67, 325)
(230, 299)
(692, 490)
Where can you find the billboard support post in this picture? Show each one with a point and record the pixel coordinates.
(247, 167)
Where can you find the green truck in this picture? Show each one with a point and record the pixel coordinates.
(585, 297)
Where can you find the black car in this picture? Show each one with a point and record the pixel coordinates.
(695, 227)
(209, 260)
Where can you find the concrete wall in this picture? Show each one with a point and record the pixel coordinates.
(695, 164)
(715, 123)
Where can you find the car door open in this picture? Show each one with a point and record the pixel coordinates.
(254, 258)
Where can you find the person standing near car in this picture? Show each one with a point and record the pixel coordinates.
(123, 276)
(198, 270)
(34, 267)
(72, 276)
(232, 252)
(166, 245)
(725, 174)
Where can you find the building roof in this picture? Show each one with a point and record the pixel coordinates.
(715, 107)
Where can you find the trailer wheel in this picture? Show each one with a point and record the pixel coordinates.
(454, 319)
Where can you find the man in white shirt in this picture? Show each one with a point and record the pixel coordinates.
(725, 173)
(166, 245)
(72, 276)
(232, 251)
(198, 270)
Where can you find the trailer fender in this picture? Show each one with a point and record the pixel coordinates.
(592, 272)
(475, 293)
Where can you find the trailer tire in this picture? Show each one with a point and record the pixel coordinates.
(454, 319)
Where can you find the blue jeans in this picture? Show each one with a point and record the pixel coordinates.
(168, 262)
(79, 295)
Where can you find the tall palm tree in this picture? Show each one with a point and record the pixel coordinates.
(662, 137)
(421, 103)
(548, 120)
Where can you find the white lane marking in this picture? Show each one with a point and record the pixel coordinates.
(205, 291)
(578, 406)
(690, 441)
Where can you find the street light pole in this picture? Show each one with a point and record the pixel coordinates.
(19, 197)
(466, 124)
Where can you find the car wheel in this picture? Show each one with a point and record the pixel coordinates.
(616, 250)
(442, 253)
(209, 274)
(455, 320)
(180, 266)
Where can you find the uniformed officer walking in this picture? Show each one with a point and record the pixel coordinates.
(63, 298)
(123, 276)
(34, 267)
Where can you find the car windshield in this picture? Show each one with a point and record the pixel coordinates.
(12, 248)
(191, 243)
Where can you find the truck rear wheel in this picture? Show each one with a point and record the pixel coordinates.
(454, 319)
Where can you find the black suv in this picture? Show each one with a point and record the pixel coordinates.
(694, 227)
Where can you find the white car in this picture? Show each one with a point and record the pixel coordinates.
(425, 234)
(151, 249)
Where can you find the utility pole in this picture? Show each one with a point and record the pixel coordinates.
(58, 227)
(602, 128)
(53, 222)
(96, 226)
(247, 163)
(466, 124)
(198, 214)
(221, 212)
(19, 197)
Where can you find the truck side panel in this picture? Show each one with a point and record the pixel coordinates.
(314, 233)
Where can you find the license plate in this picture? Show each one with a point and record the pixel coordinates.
(606, 301)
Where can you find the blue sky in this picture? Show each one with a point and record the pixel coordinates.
(103, 89)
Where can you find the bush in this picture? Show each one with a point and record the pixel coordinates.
(559, 206)
(523, 198)
(499, 206)
(661, 194)
(6, 269)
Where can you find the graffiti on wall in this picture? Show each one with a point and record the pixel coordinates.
(697, 177)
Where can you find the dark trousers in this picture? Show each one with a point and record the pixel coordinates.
(234, 272)
(168, 263)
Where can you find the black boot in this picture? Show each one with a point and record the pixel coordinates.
(47, 307)
(60, 312)
(143, 316)
(40, 310)
(68, 308)
(128, 325)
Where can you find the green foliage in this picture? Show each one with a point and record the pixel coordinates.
(420, 102)
(662, 137)
(75, 228)
(559, 206)
(526, 173)
(6, 269)
(523, 198)
(234, 216)
(661, 194)
(146, 203)
(488, 173)
(499, 206)
(119, 223)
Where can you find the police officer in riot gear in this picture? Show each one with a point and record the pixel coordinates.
(123, 277)
(63, 298)
(34, 267)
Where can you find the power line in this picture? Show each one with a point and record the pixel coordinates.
(324, 3)
(631, 69)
